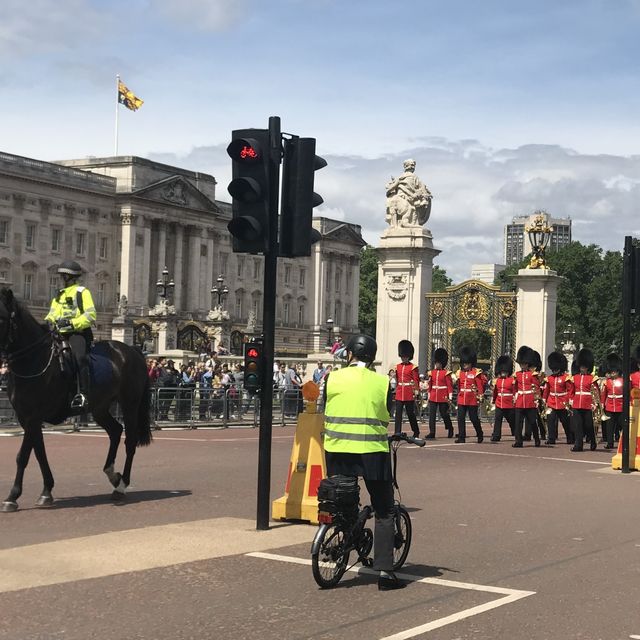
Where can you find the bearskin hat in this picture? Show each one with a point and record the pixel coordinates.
(468, 355)
(585, 359)
(537, 361)
(441, 356)
(575, 369)
(525, 356)
(405, 349)
(557, 361)
(504, 364)
(613, 363)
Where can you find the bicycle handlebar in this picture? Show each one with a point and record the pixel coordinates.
(403, 437)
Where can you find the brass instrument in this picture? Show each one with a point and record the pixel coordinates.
(597, 408)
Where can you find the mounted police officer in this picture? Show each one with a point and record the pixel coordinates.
(73, 313)
(357, 408)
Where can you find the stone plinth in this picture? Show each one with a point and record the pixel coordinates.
(537, 295)
(405, 266)
(122, 330)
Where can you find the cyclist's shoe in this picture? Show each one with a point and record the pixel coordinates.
(389, 582)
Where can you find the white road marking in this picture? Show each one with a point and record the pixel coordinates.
(510, 595)
(635, 637)
(520, 455)
(578, 539)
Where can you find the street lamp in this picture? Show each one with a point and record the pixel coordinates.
(165, 285)
(220, 290)
(329, 332)
(539, 233)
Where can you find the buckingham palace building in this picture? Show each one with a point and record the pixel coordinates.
(127, 219)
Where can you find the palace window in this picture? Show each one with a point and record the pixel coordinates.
(287, 274)
(27, 291)
(81, 243)
(4, 232)
(303, 277)
(103, 248)
(30, 235)
(56, 239)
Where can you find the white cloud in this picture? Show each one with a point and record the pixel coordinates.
(476, 192)
(205, 15)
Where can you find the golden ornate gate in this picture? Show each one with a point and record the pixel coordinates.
(472, 305)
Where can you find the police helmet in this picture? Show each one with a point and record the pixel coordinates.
(363, 347)
(70, 267)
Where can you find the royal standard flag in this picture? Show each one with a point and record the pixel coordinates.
(127, 98)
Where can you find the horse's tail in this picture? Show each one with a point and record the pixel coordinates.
(144, 421)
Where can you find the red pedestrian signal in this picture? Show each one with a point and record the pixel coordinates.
(253, 367)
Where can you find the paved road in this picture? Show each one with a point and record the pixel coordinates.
(491, 525)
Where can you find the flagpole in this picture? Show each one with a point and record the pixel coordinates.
(117, 111)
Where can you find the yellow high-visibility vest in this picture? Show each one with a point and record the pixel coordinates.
(356, 416)
(73, 302)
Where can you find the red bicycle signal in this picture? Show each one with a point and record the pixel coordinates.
(252, 353)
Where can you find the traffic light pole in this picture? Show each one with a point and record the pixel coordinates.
(627, 294)
(269, 330)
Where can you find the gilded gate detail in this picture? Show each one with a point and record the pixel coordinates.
(471, 305)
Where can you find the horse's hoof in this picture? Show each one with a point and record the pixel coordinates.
(9, 507)
(44, 501)
(115, 479)
(118, 496)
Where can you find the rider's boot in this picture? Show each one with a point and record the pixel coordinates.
(388, 581)
(80, 399)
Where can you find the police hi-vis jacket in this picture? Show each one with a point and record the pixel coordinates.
(75, 303)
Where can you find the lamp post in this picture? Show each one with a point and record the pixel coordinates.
(539, 233)
(220, 291)
(165, 286)
(329, 332)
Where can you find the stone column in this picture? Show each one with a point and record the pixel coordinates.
(177, 268)
(127, 260)
(537, 296)
(162, 248)
(405, 267)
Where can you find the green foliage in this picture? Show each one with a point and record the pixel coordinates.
(368, 290)
(477, 338)
(440, 280)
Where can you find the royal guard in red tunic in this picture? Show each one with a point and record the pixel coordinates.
(584, 384)
(503, 397)
(635, 370)
(527, 395)
(440, 386)
(611, 399)
(556, 395)
(470, 381)
(408, 385)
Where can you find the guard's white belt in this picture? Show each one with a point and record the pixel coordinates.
(506, 394)
(558, 393)
(614, 396)
(583, 393)
(406, 384)
(438, 387)
(529, 391)
(468, 391)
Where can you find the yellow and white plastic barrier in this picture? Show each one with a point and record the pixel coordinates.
(306, 466)
(634, 436)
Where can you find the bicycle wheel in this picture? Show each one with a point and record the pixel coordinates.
(402, 538)
(332, 558)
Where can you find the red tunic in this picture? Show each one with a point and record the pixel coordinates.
(527, 389)
(440, 385)
(611, 395)
(503, 392)
(635, 380)
(408, 381)
(470, 385)
(558, 391)
(583, 383)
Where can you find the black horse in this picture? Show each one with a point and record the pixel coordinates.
(40, 388)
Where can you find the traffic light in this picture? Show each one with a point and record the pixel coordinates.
(298, 198)
(250, 190)
(253, 367)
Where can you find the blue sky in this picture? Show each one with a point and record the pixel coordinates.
(506, 106)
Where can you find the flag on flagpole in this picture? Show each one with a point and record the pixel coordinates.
(128, 98)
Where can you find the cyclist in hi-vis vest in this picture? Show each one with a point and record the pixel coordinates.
(357, 412)
(73, 313)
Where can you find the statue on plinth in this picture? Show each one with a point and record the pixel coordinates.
(408, 199)
(123, 307)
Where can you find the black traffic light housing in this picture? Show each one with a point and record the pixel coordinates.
(298, 198)
(253, 366)
(250, 189)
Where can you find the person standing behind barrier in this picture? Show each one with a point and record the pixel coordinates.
(470, 382)
(292, 395)
(526, 391)
(611, 399)
(556, 395)
(440, 389)
(503, 397)
(357, 403)
(318, 373)
(408, 385)
(167, 383)
(584, 385)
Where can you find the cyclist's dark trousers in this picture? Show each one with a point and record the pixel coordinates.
(79, 343)
(611, 427)
(444, 413)
(582, 423)
(463, 410)
(509, 415)
(410, 405)
(381, 493)
(552, 423)
(531, 417)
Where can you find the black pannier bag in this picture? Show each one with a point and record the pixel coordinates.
(339, 495)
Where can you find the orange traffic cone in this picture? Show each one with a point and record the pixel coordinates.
(634, 436)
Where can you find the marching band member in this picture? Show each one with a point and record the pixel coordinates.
(539, 373)
(527, 388)
(440, 387)
(611, 398)
(556, 395)
(470, 389)
(503, 392)
(584, 383)
(408, 385)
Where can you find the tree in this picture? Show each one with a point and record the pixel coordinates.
(368, 301)
(440, 280)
